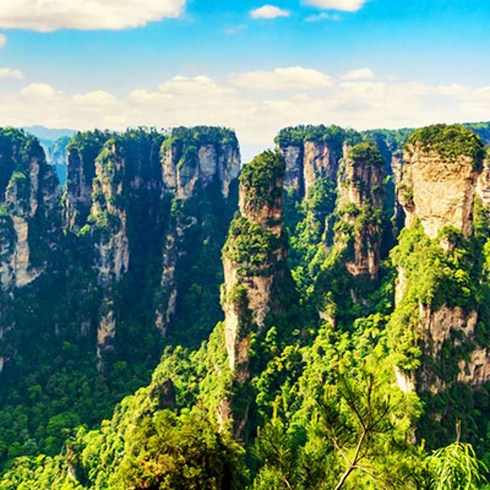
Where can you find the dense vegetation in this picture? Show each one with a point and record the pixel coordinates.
(321, 406)
(53, 382)
(450, 142)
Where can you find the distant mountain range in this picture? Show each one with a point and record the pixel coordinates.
(51, 134)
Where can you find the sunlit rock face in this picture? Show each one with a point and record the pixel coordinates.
(183, 171)
(436, 191)
(437, 184)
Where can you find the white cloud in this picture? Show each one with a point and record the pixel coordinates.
(269, 12)
(256, 115)
(51, 15)
(11, 73)
(361, 74)
(322, 16)
(345, 5)
(39, 91)
(180, 86)
(97, 99)
(291, 78)
(3, 40)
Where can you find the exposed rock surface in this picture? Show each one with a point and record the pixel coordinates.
(184, 170)
(483, 185)
(306, 162)
(112, 242)
(255, 287)
(145, 196)
(437, 191)
(442, 325)
(81, 154)
(360, 206)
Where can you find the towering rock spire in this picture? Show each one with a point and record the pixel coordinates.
(437, 290)
(254, 258)
(30, 222)
(360, 208)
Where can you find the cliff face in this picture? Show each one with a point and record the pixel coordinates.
(82, 151)
(483, 185)
(91, 283)
(211, 157)
(253, 259)
(437, 190)
(360, 208)
(156, 207)
(7, 279)
(30, 226)
(200, 171)
(307, 161)
(145, 216)
(111, 232)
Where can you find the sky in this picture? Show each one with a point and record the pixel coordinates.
(250, 65)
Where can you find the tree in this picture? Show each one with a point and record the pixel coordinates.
(455, 466)
(361, 417)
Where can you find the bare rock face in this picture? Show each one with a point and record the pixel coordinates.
(247, 302)
(437, 191)
(360, 204)
(306, 162)
(112, 242)
(167, 303)
(81, 154)
(166, 306)
(30, 194)
(293, 157)
(125, 220)
(126, 201)
(476, 371)
(319, 161)
(184, 169)
(113, 246)
(255, 287)
(268, 212)
(446, 326)
(7, 283)
(439, 326)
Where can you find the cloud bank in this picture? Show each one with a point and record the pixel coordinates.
(52, 15)
(280, 79)
(246, 102)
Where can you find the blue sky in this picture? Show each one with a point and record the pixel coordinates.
(252, 65)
